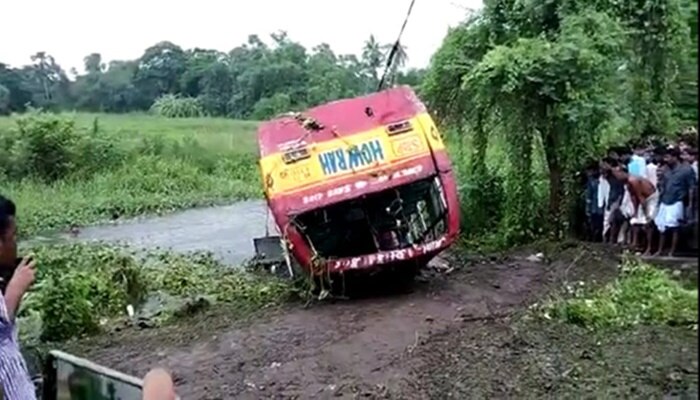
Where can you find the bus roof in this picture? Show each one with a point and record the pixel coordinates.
(340, 118)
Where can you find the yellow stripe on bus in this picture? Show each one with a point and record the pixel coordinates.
(342, 157)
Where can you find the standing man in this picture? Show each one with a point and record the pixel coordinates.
(594, 210)
(691, 214)
(644, 198)
(614, 218)
(655, 160)
(637, 165)
(677, 185)
(14, 376)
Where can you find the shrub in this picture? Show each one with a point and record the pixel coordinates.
(81, 287)
(42, 145)
(172, 106)
(268, 107)
(481, 205)
(49, 147)
(642, 294)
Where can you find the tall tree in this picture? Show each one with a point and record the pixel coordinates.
(372, 60)
(398, 61)
(16, 82)
(159, 70)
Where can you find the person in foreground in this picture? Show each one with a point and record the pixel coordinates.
(14, 376)
(158, 385)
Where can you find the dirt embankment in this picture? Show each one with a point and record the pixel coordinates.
(457, 335)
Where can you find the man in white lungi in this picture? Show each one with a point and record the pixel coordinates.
(676, 186)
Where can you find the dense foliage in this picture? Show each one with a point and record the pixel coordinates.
(81, 289)
(550, 83)
(254, 80)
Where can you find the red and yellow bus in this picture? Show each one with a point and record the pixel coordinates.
(360, 183)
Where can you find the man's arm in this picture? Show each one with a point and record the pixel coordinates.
(13, 298)
(693, 183)
(616, 204)
(18, 285)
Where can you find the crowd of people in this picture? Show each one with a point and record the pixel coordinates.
(644, 196)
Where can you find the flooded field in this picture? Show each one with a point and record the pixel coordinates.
(226, 231)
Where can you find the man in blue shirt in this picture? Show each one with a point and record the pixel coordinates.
(637, 165)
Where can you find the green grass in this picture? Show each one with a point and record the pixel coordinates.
(642, 294)
(151, 165)
(214, 134)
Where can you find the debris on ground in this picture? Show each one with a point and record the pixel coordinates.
(535, 258)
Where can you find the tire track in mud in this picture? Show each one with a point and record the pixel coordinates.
(342, 350)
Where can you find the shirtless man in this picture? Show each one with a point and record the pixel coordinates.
(644, 198)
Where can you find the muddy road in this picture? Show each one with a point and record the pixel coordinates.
(456, 335)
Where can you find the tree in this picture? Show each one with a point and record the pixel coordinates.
(548, 76)
(398, 62)
(253, 79)
(93, 64)
(4, 100)
(159, 70)
(47, 81)
(372, 60)
(16, 83)
(216, 86)
(198, 62)
(658, 35)
(121, 93)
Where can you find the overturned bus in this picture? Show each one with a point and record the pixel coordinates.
(359, 184)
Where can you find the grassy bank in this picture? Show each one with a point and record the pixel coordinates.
(633, 337)
(84, 289)
(641, 295)
(220, 135)
(77, 169)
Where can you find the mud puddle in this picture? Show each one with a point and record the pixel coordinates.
(226, 231)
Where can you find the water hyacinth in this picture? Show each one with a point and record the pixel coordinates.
(81, 288)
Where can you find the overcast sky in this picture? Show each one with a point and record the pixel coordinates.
(71, 29)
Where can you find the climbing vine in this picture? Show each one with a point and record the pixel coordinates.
(545, 77)
(658, 33)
